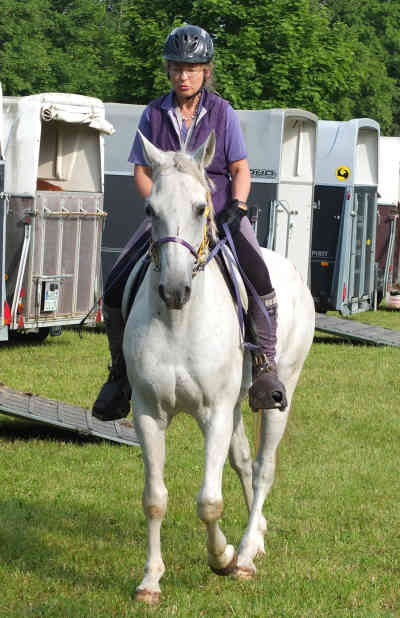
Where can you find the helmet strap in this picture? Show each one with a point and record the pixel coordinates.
(193, 96)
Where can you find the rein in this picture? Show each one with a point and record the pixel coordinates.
(203, 256)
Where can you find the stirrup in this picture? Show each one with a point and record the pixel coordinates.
(267, 391)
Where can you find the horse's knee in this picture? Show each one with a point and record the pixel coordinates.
(209, 509)
(155, 503)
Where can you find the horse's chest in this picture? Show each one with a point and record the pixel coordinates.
(178, 386)
(175, 375)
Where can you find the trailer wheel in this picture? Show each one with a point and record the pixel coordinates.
(37, 337)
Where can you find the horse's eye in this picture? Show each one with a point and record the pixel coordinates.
(149, 210)
(200, 209)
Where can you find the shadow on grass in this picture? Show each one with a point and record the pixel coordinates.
(28, 431)
(41, 537)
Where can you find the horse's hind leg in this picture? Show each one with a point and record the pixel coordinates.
(273, 425)
(240, 460)
(152, 438)
(217, 434)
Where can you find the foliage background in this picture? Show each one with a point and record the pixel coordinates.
(337, 59)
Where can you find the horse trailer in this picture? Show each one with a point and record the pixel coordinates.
(51, 211)
(281, 148)
(343, 274)
(388, 226)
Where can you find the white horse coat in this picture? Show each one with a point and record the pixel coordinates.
(184, 352)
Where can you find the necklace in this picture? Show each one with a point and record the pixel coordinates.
(192, 116)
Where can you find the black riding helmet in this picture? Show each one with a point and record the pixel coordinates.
(189, 44)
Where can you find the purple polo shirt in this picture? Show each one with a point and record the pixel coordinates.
(233, 149)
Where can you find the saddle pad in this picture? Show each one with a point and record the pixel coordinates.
(238, 277)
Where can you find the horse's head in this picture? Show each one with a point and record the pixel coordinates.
(178, 206)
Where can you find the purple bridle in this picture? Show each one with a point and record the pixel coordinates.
(201, 259)
(178, 240)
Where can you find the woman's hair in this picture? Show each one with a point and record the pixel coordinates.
(210, 83)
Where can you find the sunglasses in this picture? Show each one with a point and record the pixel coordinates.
(190, 72)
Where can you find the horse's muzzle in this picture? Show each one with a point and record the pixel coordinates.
(176, 298)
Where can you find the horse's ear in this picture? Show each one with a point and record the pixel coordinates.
(205, 154)
(153, 155)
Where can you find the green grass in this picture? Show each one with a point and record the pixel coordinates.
(72, 531)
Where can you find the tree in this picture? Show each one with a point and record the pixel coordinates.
(333, 59)
(286, 53)
(56, 45)
(24, 50)
(376, 24)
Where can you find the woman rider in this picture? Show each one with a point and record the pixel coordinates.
(184, 118)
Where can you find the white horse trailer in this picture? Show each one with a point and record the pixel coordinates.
(281, 148)
(343, 273)
(388, 227)
(51, 211)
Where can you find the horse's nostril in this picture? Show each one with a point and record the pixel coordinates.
(175, 299)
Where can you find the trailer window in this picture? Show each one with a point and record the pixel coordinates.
(69, 157)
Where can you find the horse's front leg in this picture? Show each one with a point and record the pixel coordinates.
(151, 433)
(217, 433)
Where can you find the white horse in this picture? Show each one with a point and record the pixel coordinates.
(184, 352)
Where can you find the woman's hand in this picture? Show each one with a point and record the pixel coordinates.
(232, 216)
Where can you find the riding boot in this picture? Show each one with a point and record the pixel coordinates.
(267, 391)
(113, 401)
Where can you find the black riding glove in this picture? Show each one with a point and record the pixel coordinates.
(232, 216)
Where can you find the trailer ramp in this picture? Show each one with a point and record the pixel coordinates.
(65, 415)
(351, 329)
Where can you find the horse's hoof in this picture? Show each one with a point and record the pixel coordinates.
(230, 568)
(147, 596)
(244, 573)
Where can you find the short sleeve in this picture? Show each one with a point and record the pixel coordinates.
(235, 147)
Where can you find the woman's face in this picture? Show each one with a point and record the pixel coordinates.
(186, 78)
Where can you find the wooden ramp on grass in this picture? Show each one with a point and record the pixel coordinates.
(350, 329)
(65, 415)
